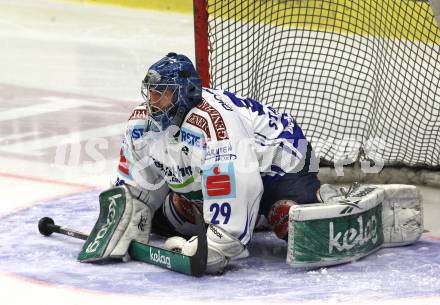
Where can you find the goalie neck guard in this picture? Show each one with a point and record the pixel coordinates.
(174, 77)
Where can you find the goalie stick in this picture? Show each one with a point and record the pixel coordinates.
(191, 265)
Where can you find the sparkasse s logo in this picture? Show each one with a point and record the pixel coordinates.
(219, 181)
(218, 185)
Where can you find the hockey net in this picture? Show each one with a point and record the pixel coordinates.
(362, 78)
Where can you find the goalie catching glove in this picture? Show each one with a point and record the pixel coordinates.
(222, 248)
(124, 216)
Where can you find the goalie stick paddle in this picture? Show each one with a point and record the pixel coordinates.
(194, 265)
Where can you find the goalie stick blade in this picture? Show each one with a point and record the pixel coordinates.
(191, 265)
(160, 257)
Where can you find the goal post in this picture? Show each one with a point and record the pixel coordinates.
(201, 40)
(435, 4)
(361, 77)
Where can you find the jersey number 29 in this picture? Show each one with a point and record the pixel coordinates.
(220, 211)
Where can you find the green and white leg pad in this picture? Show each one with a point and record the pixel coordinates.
(349, 228)
(402, 215)
(122, 219)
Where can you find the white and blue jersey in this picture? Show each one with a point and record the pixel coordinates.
(226, 148)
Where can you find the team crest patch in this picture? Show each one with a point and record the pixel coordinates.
(219, 181)
(217, 120)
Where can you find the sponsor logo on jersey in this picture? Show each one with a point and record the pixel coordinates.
(218, 185)
(174, 174)
(219, 181)
(139, 113)
(215, 231)
(222, 153)
(137, 132)
(219, 99)
(225, 105)
(199, 122)
(191, 138)
(225, 157)
(217, 120)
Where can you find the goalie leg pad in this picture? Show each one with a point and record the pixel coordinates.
(122, 218)
(341, 231)
(402, 215)
(348, 228)
(327, 192)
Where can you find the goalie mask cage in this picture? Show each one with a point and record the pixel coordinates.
(361, 77)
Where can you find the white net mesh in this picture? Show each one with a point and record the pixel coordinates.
(361, 77)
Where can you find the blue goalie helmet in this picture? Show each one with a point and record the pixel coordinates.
(170, 89)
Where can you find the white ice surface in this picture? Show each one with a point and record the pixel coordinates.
(83, 48)
(389, 274)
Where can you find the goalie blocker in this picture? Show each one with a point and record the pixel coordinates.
(352, 226)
